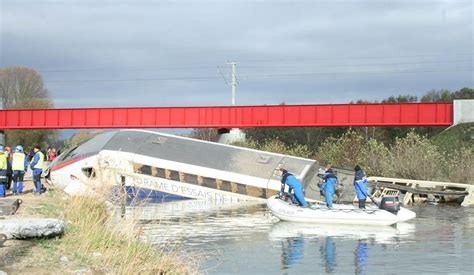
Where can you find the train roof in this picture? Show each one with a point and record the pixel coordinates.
(191, 151)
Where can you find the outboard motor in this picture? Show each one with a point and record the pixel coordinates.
(391, 204)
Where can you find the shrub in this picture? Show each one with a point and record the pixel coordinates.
(460, 165)
(278, 146)
(374, 155)
(344, 151)
(414, 157)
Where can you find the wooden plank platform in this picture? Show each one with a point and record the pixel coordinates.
(419, 187)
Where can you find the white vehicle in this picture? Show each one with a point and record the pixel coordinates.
(175, 166)
(339, 214)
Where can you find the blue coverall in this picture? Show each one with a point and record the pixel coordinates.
(360, 186)
(329, 187)
(296, 186)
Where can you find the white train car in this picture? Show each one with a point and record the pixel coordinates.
(178, 166)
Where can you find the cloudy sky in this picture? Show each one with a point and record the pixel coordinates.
(176, 53)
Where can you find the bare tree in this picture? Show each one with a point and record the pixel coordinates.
(23, 88)
(19, 85)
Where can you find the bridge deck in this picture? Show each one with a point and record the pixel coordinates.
(324, 115)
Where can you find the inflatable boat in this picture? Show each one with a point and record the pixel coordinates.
(388, 213)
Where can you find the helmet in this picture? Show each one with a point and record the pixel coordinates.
(2, 148)
(19, 148)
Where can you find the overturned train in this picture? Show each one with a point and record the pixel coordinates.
(182, 167)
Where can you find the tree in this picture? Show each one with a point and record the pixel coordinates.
(20, 84)
(464, 93)
(437, 96)
(23, 88)
(400, 99)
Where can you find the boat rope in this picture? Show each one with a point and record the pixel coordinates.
(349, 210)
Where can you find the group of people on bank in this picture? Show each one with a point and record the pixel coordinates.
(15, 163)
(328, 187)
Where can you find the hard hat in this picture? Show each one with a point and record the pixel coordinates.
(2, 148)
(19, 148)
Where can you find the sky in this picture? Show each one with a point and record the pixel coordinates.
(177, 53)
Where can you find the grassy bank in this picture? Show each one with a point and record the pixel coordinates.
(92, 242)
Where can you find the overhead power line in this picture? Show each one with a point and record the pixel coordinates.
(357, 65)
(359, 57)
(135, 79)
(203, 78)
(204, 66)
(151, 68)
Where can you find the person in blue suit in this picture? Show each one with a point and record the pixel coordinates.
(329, 186)
(360, 186)
(294, 185)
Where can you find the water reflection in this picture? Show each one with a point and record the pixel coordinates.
(361, 257)
(198, 222)
(291, 251)
(294, 236)
(378, 234)
(328, 252)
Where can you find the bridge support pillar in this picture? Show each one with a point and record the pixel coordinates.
(463, 111)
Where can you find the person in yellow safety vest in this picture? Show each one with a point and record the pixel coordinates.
(3, 171)
(37, 164)
(19, 167)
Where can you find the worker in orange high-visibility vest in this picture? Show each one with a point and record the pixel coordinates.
(37, 165)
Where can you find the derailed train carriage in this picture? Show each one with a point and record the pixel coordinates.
(183, 167)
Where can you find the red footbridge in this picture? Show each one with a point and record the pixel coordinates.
(314, 115)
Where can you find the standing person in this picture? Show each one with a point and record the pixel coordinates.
(329, 186)
(52, 154)
(37, 165)
(8, 154)
(30, 155)
(19, 166)
(47, 154)
(3, 171)
(293, 184)
(360, 186)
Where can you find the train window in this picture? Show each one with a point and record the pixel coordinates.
(89, 172)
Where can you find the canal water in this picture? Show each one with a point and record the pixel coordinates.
(246, 239)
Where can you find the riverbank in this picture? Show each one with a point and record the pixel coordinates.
(92, 243)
